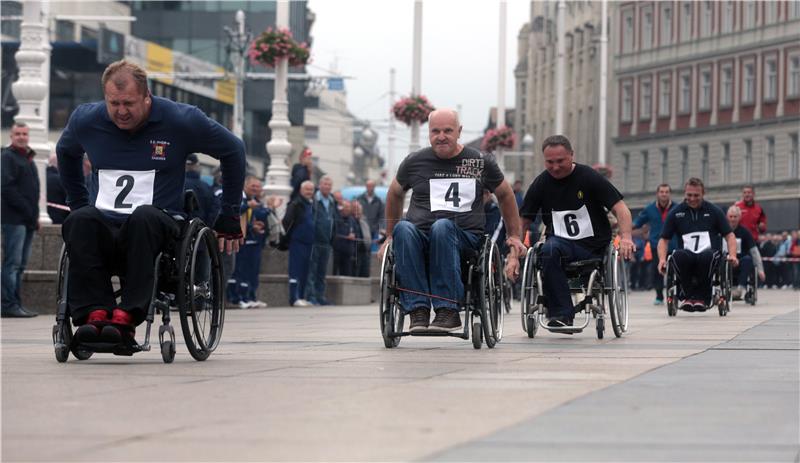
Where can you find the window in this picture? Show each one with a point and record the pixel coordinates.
(770, 79)
(312, 132)
(748, 161)
(645, 169)
(770, 158)
(686, 21)
(770, 12)
(704, 164)
(726, 163)
(627, 101)
(706, 19)
(749, 14)
(647, 28)
(705, 89)
(664, 96)
(666, 23)
(684, 163)
(749, 88)
(794, 10)
(726, 90)
(794, 160)
(664, 165)
(727, 16)
(65, 30)
(627, 30)
(646, 99)
(794, 76)
(626, 169)
(685, 104)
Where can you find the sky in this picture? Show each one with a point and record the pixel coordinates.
(363, 39)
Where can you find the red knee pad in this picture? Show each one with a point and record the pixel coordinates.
(121, 317)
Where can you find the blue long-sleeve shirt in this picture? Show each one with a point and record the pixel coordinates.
(653, 216)
(147, 166)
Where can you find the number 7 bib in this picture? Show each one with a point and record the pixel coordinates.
(452, 194)
(122, 191)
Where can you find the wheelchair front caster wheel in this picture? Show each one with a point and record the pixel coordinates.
(477, 335)
(600, 328)
(168, 351)
(531, 326)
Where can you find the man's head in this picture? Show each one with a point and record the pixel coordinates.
(517, 186)
(370, 187)
(19, 136)
(128, 100)
(358, 211)
(693, 192)
(444, 130)
(346, 209)
(305, 156)
(663, 193)
(734, 216)
(558, 154)
(252, 186)
(748, 194)
(307, 189)
(325, 185)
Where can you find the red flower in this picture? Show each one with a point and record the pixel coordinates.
(410, 109)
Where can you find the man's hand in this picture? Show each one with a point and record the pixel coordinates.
(626, 248)
(351, 236)
(258, 226)
(515, 244)
(274, 202)
(383, 248)
(662, 266)
(762, 276)
(229, 233)
(512, 268)
(733, 260)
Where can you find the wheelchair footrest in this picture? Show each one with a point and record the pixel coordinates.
(109, 348)
(431, 333)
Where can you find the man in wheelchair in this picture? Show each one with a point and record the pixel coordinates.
(444, 219)
(700, 227)
(138, 144)
(748, 254)
(573, 200)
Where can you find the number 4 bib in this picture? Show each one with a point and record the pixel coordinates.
(122, 191)
(452, 194)
(573, 225)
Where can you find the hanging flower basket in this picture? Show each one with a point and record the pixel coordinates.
(502, 137)
(412, 109)
(604, 170)
(275, 44)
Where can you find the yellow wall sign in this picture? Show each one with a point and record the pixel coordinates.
(159, 59)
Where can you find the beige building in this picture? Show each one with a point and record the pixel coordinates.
(707, 89)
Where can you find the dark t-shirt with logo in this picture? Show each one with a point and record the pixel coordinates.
(697, 229)
(448, 188)
(574, 207)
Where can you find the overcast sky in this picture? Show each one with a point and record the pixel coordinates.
(363, 39)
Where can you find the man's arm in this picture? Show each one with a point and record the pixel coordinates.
(394, 210)
(641, 219)
(731, 239)
(508, 209)
(70, 163)
(762, 221)
(623, 215)
(663, 244)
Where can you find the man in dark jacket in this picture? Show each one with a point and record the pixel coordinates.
(299, 226)
(374, 210)
(56, 196)
(208, 202)
(301, 172)
(19, 200)
(344, 244)
(655, 214)
(324, 213)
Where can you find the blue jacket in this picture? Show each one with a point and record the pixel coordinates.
(324, 219)
(209, 204)
(651, 215)
(20, 189)
(299, 222)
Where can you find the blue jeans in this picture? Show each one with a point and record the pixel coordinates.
(744, 270)
(315, 287)
(299, 257)
(16, 251)
(440, 273)
(555, 253)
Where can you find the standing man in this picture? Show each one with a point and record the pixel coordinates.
(301, 172)
(138, 144)
(655, 214)
(344, 244)
(56, 196)
(20, 217)
(324, 213)
(444, 218)
(363, 241)
(373, 210)
(208, 203)
(299, 225)
(753, 217)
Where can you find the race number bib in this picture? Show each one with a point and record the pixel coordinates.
(452, 194)
(573, 225)
(696, 242)
(738, 245)
(122, 191)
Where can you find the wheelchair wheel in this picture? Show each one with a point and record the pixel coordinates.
(477, 334)
(62, 331)
(726, 281)
(200, 293)
(390, 312)
(618, 299)
(529, 293)
(491, 294)
(670, 288)
(600, 327)
(751, 294)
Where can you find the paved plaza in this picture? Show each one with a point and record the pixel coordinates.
(316, 384)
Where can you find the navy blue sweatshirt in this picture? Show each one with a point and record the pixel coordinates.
(145, 167)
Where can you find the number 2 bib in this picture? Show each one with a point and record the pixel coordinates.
(696, 242)
(122, 191)
(452, 194)
(573, 225)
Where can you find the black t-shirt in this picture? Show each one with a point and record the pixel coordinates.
(448, 188)
(744, 241)
(574, 207)
(697, 229)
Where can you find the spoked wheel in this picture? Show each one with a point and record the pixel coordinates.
(529, 293)
(751, 297)
(62, 332)
(670, 290)
(726, 278)
(618, 299)
(491, 291)
(200, 296)
(390, 312)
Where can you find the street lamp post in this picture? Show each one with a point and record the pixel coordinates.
(416, 81)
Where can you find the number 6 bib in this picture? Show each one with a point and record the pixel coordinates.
(122, 191)
(573, 225)
(452, 194)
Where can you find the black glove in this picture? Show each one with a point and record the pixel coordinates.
(228, 227)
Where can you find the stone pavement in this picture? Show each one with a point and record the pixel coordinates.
(316, 384)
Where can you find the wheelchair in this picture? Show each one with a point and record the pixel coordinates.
(596, 285)
(188, 279)
(721, 284)
(751, 290)
(483, 304)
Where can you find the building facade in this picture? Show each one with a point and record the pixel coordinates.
(329, 135)
(708, 89)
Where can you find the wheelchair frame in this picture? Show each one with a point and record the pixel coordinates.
(483, 304)
(200, 304)
(720, 287)
(609, 288)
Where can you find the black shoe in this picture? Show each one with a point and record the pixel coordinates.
(117, 334)
(17, 312)
(87, 333)
(446, 320)
(420, 317)
(562, 325)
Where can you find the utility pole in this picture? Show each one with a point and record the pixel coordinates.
(390, 161)
(601, 152)
(561, 49)
(239, 41)
(416, 73)
(501, 69)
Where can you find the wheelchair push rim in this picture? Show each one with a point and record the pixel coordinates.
(618, 299)
(491, 294)
(529, 293)
(389, 311)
